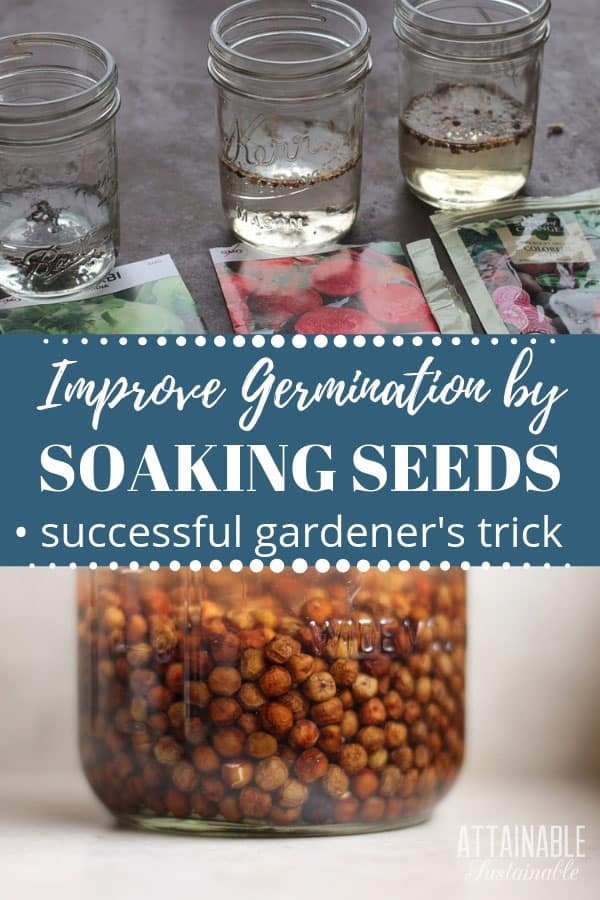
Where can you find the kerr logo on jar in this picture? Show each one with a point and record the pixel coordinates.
(252, 145)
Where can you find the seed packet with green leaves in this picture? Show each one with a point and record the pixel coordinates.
(147, 297)
(530, 265)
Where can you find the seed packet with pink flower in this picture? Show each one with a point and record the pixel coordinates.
(368, 289)
(530, 265)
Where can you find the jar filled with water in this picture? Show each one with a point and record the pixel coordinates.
(469, 74)
(291, 88)
(59, 214)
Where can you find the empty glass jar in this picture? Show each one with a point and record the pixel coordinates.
(275, 702)
(469, 76)
(59, 213)
(291, 93)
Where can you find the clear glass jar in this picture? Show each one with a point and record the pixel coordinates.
(291, 77)
(59, 212)
(469, 76)
(298, 703)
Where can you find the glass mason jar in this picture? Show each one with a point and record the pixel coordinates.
(291, 97)
(299, 703)
(59, 213)
(469, 76)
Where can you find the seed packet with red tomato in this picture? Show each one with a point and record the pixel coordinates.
(367, 289)
(530, 265)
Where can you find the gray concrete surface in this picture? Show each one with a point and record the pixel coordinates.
(169, 184)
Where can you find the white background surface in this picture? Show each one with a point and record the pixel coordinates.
(533, 758)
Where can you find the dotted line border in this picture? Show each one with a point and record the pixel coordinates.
(301, 342)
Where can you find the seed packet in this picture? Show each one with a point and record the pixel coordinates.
(147, 297)
(444, 300)
(530, 265)
(367, 289)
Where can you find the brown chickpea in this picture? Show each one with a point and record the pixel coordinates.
(113, 618)
(225, 648)
(378, 759)
(372, 712)
(276, 718)
(237, 773)
(389, 781)
(205, 759)
(275, 682)
(254, 803)
(160, 698)
(137, 628)
(213, 789)
(349, 724)
(197, 693)
(364, 784)
(395, 734)
(373, 809)
(225, 681)
(421, 756)
(251, 697)
(195, 731)
(330, 739)
(329, 712)
(394, 704)
(335, 781)
(301, 667)
(202, 806)
(319, 687)
(353, 758)
(229, 807)
(423, 690)
(304, 734)
(177, 804)
(252, 664)
(280, 650)
(311, 765)
(365, 687)
(260, 745)
(159, 722)
(346, 698)
(345, 809)
(371, 737)
(185, 777)
(176, 714)
(271, 774)
(317, 608)
(412, 712)
(284, 817)
(139, 655)
(403, 758)
(296, 703)
(292, 794)
(248, 722)
(167, 751)
(345, 672)
(174, 677)
(229, 742)
(224, 710)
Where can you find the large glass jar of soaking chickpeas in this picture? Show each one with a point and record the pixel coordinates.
(239, 702)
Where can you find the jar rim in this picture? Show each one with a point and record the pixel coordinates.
(17, 47)
(230, 56)
(529, 15)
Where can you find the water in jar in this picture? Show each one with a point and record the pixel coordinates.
(54, 242)
(466, 145)
(292, 193)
